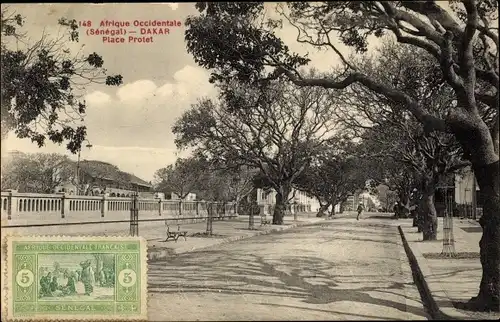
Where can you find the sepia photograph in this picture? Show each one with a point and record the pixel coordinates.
(236, 161)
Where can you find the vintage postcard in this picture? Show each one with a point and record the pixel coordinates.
(331, 160)
(76, 278)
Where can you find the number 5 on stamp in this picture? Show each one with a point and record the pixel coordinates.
(76, 278)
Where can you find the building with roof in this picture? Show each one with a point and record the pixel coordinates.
(98, 177)
(299, 199)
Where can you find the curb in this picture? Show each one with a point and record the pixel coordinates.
(160, 254)
(474, 222)
(407, 272)
(430, 292)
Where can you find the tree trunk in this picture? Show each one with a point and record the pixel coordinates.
(280, 207)
(224, 204)
(480, 147)
(420, 221)
(420, 215)
(251, 221)
(414, 215)
(237, 207)
(254, 208)
(279, 210)
(489, 288)
(430, 223)
(332, 212)
(209, 219)
(322, 209)
(405, 209)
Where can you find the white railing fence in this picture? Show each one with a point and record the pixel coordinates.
(32, 208)
(291, 209)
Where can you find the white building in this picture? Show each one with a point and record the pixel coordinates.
(464, 187)
(301, 202)
(189, 197)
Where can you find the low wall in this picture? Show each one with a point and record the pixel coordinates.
(268, 209)
(22, 209)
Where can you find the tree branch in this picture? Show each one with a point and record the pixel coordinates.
(467, 67)
(430, 122)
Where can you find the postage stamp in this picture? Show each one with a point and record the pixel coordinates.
(72, 278)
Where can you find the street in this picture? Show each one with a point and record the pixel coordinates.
(342, 269)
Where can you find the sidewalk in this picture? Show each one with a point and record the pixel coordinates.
(449, 280)
(223, 231)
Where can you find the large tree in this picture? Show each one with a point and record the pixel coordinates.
(235, 40)
(276, 129)
(390, 132)
(180, 178)
(43, 83)
(36, 172)
(387, 195)
(425, 160)
(335, 173)
(240, 183)
(93, 175)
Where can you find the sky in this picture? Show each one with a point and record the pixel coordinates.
(130, 125)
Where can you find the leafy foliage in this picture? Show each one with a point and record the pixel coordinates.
(389, 133)
(335, 173)
(240, 42)
(248, 47)
(277, 136)
(236, 42)
(181, 178)
(387, 197)
(95, 174)
(37, 172)
(42, 84)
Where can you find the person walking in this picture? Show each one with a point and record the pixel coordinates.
(397, 210)
(361, 207)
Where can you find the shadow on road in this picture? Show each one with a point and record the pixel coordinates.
(364, 316)
(307, 278)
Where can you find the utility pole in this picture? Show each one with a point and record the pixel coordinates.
(77, 176)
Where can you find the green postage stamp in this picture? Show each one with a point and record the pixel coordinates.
(71, 278)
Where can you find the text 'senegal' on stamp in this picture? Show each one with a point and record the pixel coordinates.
(75, 278)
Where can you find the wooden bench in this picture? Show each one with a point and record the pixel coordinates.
(264, 221)
(175, 234)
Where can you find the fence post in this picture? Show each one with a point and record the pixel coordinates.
(160, 205)
(104, 205)
(64, 205)
(197, 203)
(134, 216)
(11, 204)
